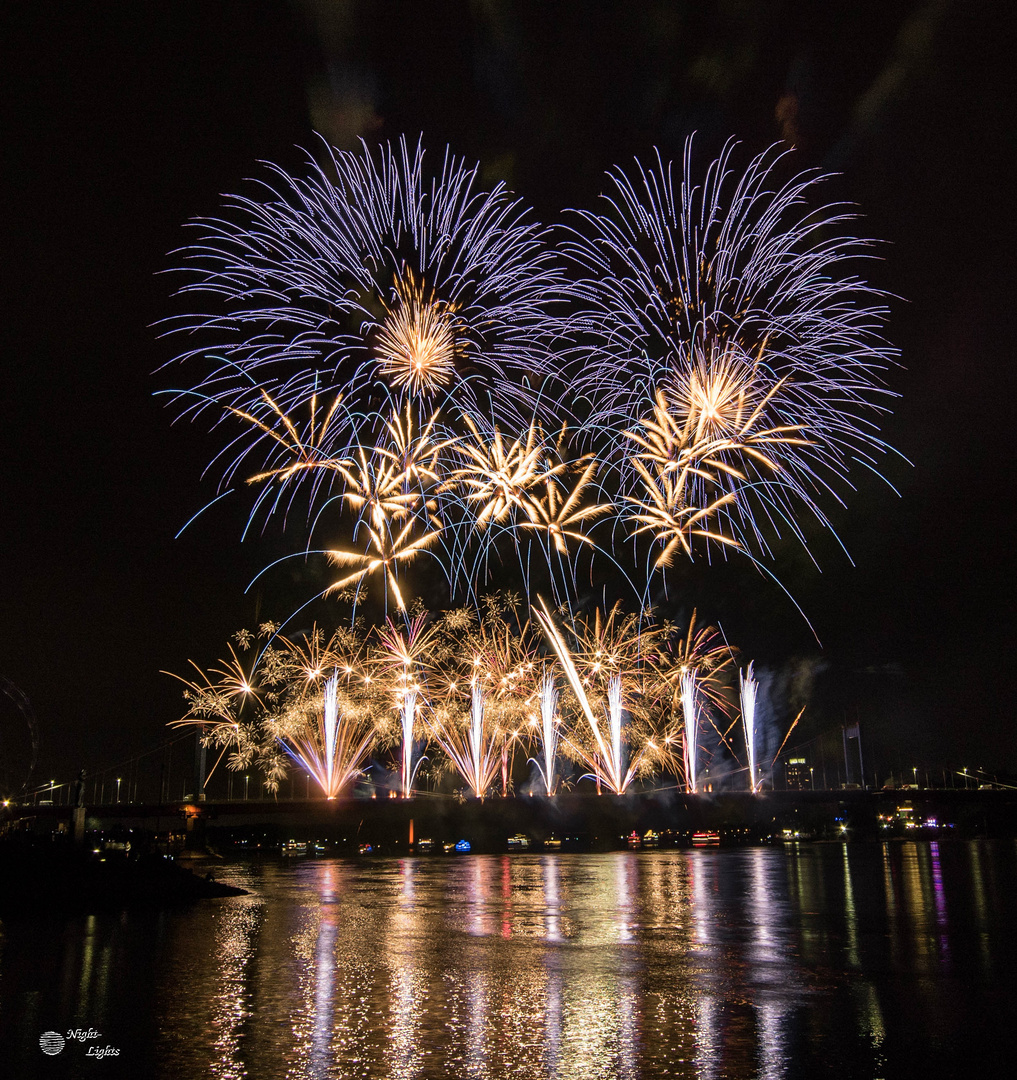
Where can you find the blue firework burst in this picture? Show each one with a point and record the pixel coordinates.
(728, 346)
(367, 279)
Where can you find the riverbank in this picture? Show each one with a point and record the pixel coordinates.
(55, 876)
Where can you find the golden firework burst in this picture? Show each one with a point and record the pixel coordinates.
(663, 511)
(720, 403)
(500, 476)
(385, 552)
(418, 341)
(560, 514)
(307, 451)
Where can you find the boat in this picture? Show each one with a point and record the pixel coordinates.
(705, 839)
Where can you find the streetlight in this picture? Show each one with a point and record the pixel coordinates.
(915, 771)
(118, 789)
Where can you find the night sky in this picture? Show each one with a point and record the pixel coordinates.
(123, 120)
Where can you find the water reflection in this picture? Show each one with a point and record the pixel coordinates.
(552, 897)
(939, 898)
(850, 914)
(234, 949)
(407, 981)
(768, 948)
(976, 855)
(757, 962)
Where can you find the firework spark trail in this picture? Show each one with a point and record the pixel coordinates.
(470, 747)
(477, 737)
(332, 750)
(690, 709)
(605, 760)
(748, 687)
(402, 663)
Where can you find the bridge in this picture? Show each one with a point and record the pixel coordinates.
(585, 820)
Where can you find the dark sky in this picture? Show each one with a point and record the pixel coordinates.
(121, 121)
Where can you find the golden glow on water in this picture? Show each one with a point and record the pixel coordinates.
(914, 903)
(704, 964)
(850, 915)
(234, 949)
(552, 902)
(870, 1016)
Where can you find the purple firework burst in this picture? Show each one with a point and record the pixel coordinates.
(730, 356)
(331, 299)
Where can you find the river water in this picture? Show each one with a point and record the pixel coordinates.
(811, 960)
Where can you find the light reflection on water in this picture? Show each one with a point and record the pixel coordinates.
(804, 960)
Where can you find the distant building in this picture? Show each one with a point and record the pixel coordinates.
(798, 773)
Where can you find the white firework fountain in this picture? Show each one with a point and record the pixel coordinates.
(548, 732)
(407, 714)
(688, 688)
(330, 724)
(748, 687)
(477, 755)
(614, 720)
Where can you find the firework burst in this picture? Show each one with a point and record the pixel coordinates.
(382, 337)
(329, 735)
(725, 328)
(367, 271)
